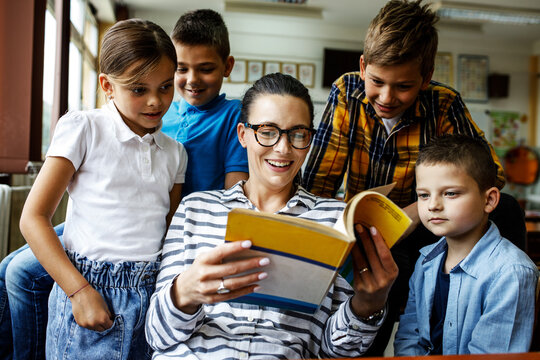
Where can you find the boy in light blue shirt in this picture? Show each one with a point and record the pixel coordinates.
(473, 291)
(203, 120)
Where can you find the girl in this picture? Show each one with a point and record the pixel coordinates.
(124, 177)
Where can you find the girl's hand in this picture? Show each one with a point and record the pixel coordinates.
(374, 272)
(90, 310)
(199, 283)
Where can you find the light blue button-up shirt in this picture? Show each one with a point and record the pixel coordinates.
(491, 300)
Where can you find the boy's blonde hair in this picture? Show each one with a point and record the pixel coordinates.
(403, 31)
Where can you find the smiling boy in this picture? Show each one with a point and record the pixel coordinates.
(203, 120)
(473, 291)
(377, 119)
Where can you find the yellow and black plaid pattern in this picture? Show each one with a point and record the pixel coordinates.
(364, 155)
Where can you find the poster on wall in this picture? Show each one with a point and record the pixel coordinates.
(506, 128)
(239, 72)
(443, 71)
(473, 77)
(306, 74)
(255, 70)
(289, 69)
(271, 67)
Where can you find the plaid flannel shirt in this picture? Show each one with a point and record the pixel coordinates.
(361, 152)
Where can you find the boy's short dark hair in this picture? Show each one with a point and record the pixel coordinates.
(403, 31)
(470, 154)
(203, 27)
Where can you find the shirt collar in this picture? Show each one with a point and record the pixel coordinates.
(124, 133)
(472, 264)
(236, 194)
(479, 253)
(212, 105)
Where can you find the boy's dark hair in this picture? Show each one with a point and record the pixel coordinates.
(470, 154)
(276, 84)
(403, 31)
(203, 27)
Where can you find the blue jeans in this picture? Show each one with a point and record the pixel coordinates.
(24, 294)
(126, 288)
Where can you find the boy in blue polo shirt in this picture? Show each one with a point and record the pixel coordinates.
(203, 120)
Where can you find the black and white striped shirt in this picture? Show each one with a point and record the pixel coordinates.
(241, 331)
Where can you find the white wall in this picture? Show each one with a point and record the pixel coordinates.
(266, 37)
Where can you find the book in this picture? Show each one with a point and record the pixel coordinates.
(306, 256)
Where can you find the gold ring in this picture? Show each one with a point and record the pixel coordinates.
(361, 271)
(222, 289)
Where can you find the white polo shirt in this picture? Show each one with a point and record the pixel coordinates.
(120, 190)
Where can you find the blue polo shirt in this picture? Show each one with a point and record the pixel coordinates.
(208, 134)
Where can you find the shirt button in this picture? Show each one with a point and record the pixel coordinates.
(355, 327)
(145, 160)
(242, 355)
(250, 318)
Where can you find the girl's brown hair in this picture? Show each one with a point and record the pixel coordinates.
(130, 42)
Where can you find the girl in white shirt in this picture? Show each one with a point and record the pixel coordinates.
(124, 179)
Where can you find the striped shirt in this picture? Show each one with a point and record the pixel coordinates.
(367, 155)
(239, 331)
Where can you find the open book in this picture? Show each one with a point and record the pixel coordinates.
(305, 256)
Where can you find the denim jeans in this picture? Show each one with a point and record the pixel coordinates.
(126, 288)
(24, 294)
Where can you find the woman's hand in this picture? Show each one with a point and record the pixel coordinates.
(199, 283)
(374, 272)
(90, 310)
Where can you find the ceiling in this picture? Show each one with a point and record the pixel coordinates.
(350, 13)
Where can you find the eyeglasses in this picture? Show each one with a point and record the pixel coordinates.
(299, 137)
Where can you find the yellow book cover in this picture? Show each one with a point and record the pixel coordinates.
(305, 256)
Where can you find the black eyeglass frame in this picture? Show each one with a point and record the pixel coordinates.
(256, 127)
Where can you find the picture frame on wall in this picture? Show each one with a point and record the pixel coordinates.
(306, 74)
(289, 69)
(271, 67)
(444, 69)
(473, 73)
(255, 70)
(239, 72)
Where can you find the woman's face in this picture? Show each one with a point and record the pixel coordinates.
(274, 168)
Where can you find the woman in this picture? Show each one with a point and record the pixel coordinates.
(188, 317)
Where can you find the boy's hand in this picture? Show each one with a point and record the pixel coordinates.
(90, 310)
(199, 283)
(374, 273)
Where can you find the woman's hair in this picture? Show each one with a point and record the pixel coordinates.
(130, 42)
(276, 84)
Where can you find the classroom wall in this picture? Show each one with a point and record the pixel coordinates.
(266, 37)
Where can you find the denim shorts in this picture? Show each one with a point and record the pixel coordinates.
(126, 288)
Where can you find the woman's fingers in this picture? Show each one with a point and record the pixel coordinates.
(383, 252)
(220, 252)
(200, 282)
(227, 260)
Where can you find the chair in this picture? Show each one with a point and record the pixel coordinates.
(509, 217)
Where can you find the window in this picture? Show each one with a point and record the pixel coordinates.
(48, 76)
(83, 50)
